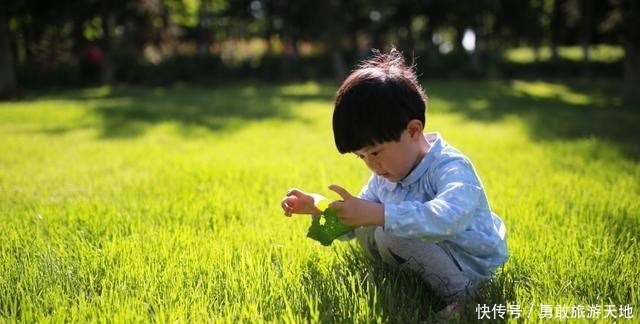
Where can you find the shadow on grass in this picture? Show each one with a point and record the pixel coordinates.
(557, 112)
(130, 112)
(566, 110)
(563, 110)
(390, 296)
(393, 296)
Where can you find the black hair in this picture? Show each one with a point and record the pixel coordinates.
(376, 102)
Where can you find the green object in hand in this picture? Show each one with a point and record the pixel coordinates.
(327, 227)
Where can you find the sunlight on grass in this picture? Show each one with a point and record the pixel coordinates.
(144, 205)
(478, 104)
(96, 92)
(554, 91)
(308, 88)
(599, 53)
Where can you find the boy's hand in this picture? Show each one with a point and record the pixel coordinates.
(299, 202)
(354, 211)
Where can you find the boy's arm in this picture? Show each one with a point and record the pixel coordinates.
(458, 194)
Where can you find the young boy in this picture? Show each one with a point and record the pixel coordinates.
(424, 207)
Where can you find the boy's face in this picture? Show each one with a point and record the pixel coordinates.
(393, 160)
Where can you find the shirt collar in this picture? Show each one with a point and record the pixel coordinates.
(436, 144)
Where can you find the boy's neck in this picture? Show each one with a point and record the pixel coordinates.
(423, 148)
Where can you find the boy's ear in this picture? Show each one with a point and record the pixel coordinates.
(415, 127)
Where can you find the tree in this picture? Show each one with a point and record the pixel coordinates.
(556, 27)
(586, 31)
(631, 40)
(8, 83)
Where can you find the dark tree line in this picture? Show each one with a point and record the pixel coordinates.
(39, 35)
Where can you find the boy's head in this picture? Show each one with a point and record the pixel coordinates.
(376, 102)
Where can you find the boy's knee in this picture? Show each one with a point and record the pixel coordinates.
(380, 245)
(394, 250)
(428, 260)
(366, 239)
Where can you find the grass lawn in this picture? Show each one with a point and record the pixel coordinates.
(598, 53)
(162, 204)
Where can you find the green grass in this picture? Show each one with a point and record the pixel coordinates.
(598, 53)
(144, 205)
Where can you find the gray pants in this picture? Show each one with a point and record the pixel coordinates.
(430, 261)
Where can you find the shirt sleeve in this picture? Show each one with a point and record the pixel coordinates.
(457, 197)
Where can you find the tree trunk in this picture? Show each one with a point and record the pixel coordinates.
(8, 82)
(585, 38)
(631, 85)
(556, 27)
(107, 67)
(476, 55)
(205, 18)
(457, 47)
(536, 51)
(335, 30)
(410, 42)
(432, 49)
(339, 66)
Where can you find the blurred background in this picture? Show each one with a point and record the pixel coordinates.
(150, 42)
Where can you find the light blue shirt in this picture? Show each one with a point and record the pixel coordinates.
(443, 201)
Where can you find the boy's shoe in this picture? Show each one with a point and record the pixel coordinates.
(451, 312)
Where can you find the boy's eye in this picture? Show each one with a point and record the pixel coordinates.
(362, 156)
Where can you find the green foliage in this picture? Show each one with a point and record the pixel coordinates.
(92, 30)
(186, 12)
(161, 42)
(162, 204)
(183, 12)
(132, 69)
(327, 227)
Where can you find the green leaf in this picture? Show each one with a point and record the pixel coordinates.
(327, 227)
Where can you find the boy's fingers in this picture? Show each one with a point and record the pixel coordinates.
(340, 191)
(287, 202)
(294, 192)
(336, 205)
(285, 206)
